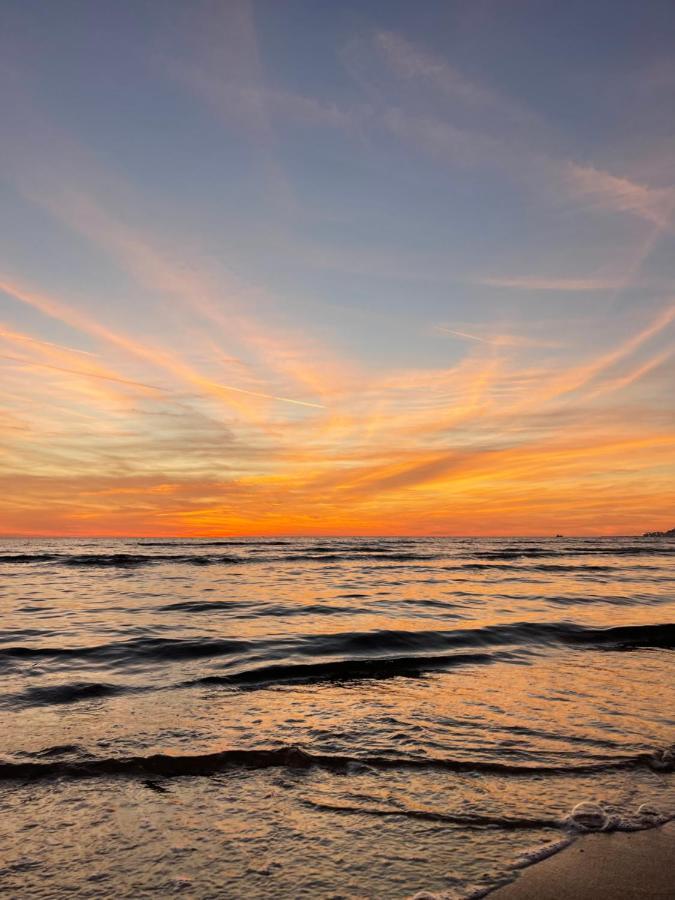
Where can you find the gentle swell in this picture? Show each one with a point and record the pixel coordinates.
(134, 560)
(349, 656)
(72, 692)
(371, 655)
(116, 560)
(608, 549)
(360, 645)
(343, 670)
(133, 650)
(225, 543)
(247, 609)
(623, 637)
(168, 766)
(519, 560)
(535, 567)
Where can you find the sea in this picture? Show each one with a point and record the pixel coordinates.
(326, 718)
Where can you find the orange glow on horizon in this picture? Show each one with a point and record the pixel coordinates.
(485, 447)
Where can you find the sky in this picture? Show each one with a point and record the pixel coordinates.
(375, 267)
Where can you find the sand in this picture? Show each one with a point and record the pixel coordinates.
(622, 866)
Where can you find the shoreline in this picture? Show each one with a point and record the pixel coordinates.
(623, 865)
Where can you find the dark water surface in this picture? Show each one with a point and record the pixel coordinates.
(325, 718)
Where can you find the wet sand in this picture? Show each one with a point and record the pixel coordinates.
(622, 866)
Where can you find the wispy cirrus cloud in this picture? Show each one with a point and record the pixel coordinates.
(82, 373)
(540, 283)
(8, 334)
(163, 360)
(498, 340)
(600, 190)
(521, 141)
(636, 374)
(531, 143)
(579, 376)
(427, 174)
(98, 203)
(411, 61)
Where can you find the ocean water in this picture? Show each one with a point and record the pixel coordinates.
(325, 718)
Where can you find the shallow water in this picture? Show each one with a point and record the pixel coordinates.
(324, 718)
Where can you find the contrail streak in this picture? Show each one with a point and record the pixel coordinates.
(463, 334)
(227, 387)
(30, 363)
(62, 313)
(28, 340)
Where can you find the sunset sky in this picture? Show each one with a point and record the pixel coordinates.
(299, 267)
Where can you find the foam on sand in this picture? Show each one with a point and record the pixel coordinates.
(633, 865)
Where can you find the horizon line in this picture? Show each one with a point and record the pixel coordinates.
(346, 536)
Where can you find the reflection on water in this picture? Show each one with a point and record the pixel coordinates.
(323, 717)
